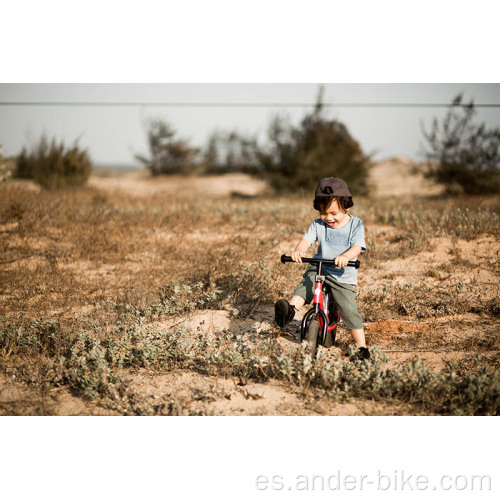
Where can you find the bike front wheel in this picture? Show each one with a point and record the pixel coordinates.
(312, 337)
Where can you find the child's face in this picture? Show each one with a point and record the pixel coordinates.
(334, 216)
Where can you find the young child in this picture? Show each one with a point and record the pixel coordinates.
(341, 237)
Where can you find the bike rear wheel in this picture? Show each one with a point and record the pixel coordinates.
(312, 337)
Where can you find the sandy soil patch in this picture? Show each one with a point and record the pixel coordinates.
(191, 393)
(438, 268)
(401, 176)
(140, 184)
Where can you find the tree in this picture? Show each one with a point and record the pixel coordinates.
(298, 157)
(463, 156)
(168, 155)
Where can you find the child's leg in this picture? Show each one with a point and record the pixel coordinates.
(304, 293)
(297, 301)
(359, 337)
(284, 311)
(344, 296)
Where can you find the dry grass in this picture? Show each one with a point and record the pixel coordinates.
(86, 277)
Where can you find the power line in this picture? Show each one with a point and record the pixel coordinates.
(240, 104)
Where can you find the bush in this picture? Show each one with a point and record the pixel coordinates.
(230, 152)
(54, 166)
(299, 157)
(4, 172)
(167, 154)
(463, 156)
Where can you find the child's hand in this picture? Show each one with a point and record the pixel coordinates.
(297, 256)
(341, 261)
(300, 251)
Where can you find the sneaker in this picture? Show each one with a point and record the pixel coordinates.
(363, 353)
(283, 312)
(360, 354)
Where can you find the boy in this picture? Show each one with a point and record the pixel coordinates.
(340, 237)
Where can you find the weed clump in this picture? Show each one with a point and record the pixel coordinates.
(179, 298)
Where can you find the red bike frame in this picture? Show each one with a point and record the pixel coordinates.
(322, 300)
(322, 308)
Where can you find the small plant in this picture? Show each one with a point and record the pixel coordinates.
(53, 165)
(178, 298)
(463, 156)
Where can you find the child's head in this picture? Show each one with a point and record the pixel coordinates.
(329, 190)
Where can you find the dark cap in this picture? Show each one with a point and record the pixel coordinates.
(331, 186)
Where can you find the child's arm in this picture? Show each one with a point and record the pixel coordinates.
(300, 251)
(352, 253)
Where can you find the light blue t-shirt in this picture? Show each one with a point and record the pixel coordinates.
(334, 242)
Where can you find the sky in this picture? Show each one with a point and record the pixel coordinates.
(112, 135)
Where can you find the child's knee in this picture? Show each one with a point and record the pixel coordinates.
(305, 290)
(297, 301)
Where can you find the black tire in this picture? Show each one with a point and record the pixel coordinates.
(333, 309)
(312, 334)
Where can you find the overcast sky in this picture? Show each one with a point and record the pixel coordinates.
(113, 134)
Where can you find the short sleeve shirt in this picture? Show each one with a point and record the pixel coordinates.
(334, 242)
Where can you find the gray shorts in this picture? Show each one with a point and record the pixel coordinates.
(343, 294)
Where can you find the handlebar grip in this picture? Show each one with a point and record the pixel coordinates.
(287, 258)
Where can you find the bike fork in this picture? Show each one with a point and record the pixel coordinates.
(317, 309)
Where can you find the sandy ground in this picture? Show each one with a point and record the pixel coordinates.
(401, 177)
(393, 177)
(140, 184)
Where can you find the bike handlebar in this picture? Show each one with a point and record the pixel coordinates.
(286, 258)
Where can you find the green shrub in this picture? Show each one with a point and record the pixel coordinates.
(53, 165)
(168, 155)
(463, 156)
(178, 298)
(299, 157)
